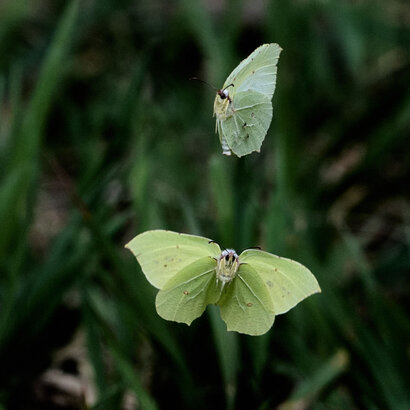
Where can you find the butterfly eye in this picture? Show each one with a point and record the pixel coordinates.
(227, 257)
(222, 95)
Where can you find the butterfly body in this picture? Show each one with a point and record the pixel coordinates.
(227, 266)
(223, 107)
(248, 103)
(191, 272)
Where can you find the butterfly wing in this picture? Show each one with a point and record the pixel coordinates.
(257, 72)
(162, 254)
(185, 296)
(247, 307)
(245, 130)
(288, 281)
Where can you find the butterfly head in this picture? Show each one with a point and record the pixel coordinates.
(224, 94)
(227, 266)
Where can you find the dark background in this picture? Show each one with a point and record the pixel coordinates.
(102, 137)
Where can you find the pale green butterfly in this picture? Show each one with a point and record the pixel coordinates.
(192, 272)
(243, 107)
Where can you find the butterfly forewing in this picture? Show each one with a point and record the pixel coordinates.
(246, 307)
(185, 296)
(288, 281)
(257, 72)
(162, 254)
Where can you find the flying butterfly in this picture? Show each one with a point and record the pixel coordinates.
(192, 272)
(243, 106)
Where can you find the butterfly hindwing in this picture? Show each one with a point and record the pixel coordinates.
(246, 128)
(246, 306)
(185, 296)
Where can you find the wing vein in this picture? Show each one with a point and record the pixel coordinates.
(264, 66)
(238, 131)
(250, 289)
(250, 106)
(193, 278)
(297, 286)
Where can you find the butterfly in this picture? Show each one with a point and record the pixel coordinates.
(243, 107)
(192, 272)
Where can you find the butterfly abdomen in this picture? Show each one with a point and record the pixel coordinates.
(223, 108)
(225, 147)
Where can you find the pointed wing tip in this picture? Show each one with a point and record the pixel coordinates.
(313, 292)
(181, 321)
(317, 288)
(258, 151)
(258, 333)
(128, 244)
(173, 319)
(276, 45)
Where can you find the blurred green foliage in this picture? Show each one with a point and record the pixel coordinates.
(102, 136)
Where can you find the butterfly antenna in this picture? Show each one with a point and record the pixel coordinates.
(202, 81)
(230, 85)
